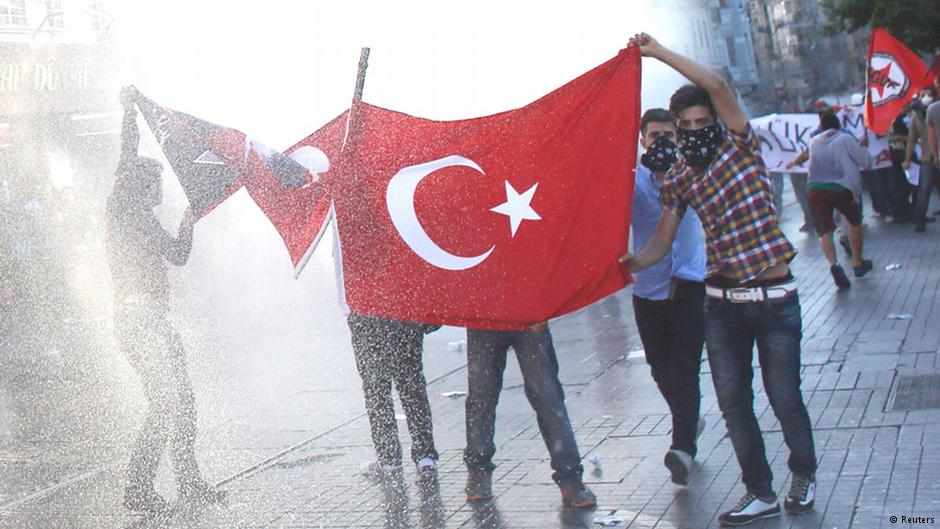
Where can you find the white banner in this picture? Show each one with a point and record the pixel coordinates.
(784, 136)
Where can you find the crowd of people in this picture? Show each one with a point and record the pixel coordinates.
(711, 270)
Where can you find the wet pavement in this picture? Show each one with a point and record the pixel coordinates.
(282, 426)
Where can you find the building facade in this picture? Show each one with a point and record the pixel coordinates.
(798, 62)
(59, 125)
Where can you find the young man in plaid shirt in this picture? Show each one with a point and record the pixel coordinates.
(750, 294)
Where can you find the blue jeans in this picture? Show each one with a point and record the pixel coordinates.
(731, 329)
(486, 360)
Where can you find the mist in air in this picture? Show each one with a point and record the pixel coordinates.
(268, 354)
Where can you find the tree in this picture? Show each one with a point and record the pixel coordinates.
(916, 23)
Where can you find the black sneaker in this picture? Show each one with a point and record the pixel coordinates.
(866, 267)
(838, 274)
(479, 485)
(575, 494)
(749, 509)
(802, 494)
(144, 499)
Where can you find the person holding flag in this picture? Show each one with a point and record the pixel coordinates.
(751, 295)
(390, 351)
(138, 250)
(668, 297)
(486, 361)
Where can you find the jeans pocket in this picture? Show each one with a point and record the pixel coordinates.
(787, 308)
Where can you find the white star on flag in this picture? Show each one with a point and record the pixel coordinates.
(517, 207)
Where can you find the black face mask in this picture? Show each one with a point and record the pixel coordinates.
(661, 155)
(698, 146)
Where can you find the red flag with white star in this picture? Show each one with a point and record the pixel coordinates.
(495, 222)
(895, 75)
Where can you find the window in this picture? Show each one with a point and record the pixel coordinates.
(732, 57)
(12, 12)
(54, 14)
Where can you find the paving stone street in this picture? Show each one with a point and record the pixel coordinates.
(284, 431)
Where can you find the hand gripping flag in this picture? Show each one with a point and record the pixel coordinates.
(212, 161)
(895, 75)
(495, 222)
(300, 213)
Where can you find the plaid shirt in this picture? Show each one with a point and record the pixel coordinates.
(734, 199)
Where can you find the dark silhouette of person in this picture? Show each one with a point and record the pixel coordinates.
(138, 249)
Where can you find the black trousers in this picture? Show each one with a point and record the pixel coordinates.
(673, 333)
(389, 351)
(155, 351)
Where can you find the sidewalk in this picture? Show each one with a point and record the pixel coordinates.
(872, 385)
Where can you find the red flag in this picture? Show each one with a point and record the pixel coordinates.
(895, 75)
(299, 213)
(495, 222)
(933, 73)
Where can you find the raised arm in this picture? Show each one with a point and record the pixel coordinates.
(723, 98)
(130, 135)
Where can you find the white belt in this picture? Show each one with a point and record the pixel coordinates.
(752, 294)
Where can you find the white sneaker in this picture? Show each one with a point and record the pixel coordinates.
(750, 509)
(427, 465)
(802, 494)
(679, 464)
(376, 470)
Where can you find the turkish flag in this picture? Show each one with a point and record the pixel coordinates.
(895, 75)
(300, 213)
(495, 222)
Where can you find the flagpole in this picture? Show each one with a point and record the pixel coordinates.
(361, 77)
(331, 217)
(351, 125)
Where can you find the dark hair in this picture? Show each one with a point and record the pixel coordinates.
(658, 115)
(690, 95)
(829, 121)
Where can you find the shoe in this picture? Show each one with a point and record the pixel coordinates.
(936, 213)
(378, 471)
(679, 464)
(928, 220)
(575, 494)
(427, 465)
(144, 499)
(846, 246)
(866, 267)
(479, 485)
(920, 228)
(802, 494)
(749, 509)
(807, 227)
(200, 491)
(838, 274)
